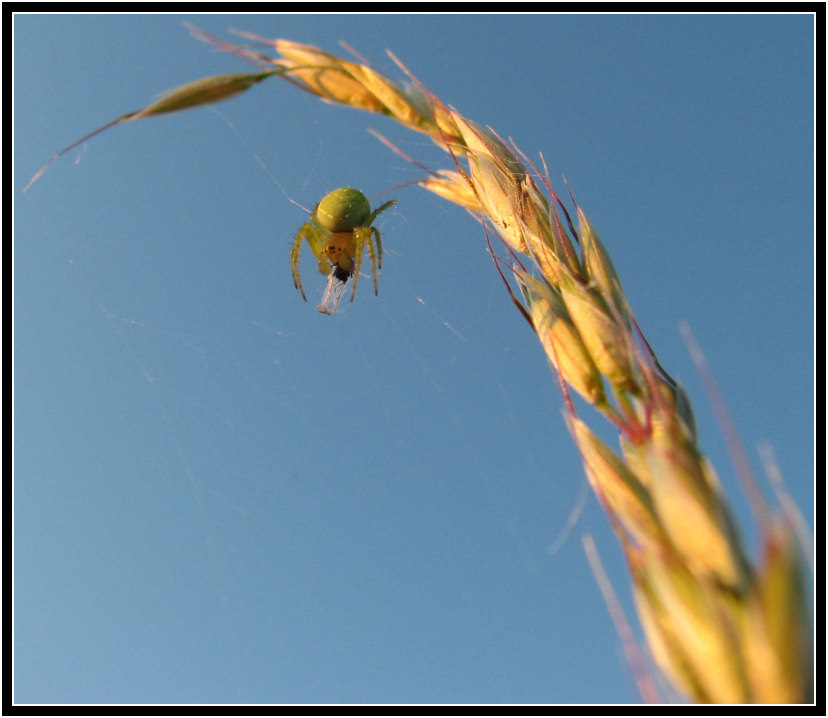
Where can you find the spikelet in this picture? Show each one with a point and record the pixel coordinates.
(206, 91)
(561, 340)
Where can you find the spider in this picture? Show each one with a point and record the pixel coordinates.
(337, 233)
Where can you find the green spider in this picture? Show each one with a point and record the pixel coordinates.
(338, 232)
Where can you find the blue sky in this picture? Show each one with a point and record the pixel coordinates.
(224, 496)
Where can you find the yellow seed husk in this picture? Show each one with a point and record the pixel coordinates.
(545, 243)
(691, 511)
(206, 91)
(481, 141)
(776, 629)
(625, 494)
(497, 177)
(664, 646)
(327, 76)
(496, 192)
(608, 344)
(436, 120)
(561, 342)
(635, 456)
(699, 622)
(454, 187)
(677, 412)
(666, 420)
(393, 99)
(598, 264)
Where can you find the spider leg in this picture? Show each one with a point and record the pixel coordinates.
(294, 260)
(364, 237)
(376, 235)
(375, 254)
(359, 248)
(373, 215)
(310, 233)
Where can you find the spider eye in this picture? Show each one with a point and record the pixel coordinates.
(343, 210)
